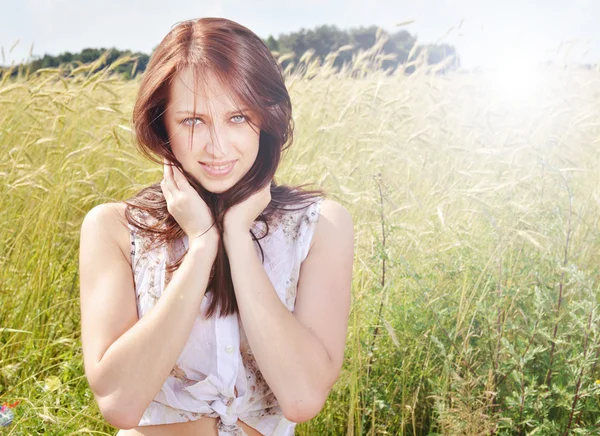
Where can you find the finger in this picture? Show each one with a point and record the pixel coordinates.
(165, 191)
(169, 178)
(166, 184)
(172, 169)
(165, 176)
(180, 179)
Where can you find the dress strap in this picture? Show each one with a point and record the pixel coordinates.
(133, 256)
(131, 243)
(308, 224)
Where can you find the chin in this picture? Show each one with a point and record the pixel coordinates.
(216, 191)
(217, 188)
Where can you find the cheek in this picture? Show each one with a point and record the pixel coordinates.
(251, 152)
(250, 141)
(253, 143)
(182, 140)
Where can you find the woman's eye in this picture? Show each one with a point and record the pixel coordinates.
(243, 118)
(186, 121)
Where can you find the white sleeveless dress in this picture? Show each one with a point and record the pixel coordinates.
(216, 357)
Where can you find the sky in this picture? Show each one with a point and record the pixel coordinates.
(484, 32)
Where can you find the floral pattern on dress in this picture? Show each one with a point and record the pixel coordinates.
(285, 248)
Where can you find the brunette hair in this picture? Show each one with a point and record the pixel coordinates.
(240, 59)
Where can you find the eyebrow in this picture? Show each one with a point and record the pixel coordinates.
(229, 113)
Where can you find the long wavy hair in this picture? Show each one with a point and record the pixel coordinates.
(240, 59)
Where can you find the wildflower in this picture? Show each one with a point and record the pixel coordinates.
(7, 415)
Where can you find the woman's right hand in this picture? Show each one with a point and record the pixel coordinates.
(186, 206)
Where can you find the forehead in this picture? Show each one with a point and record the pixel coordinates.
(210, 92)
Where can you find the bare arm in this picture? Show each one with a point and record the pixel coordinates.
(128, 360)
(299, 353)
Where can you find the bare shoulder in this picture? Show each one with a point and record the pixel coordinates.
(336, 212)
(109, 218)
(337, 215)
(335, 225)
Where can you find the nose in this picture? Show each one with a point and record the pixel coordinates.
(217, 145)
(215, 150)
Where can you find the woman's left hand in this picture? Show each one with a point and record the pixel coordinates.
(240, 217)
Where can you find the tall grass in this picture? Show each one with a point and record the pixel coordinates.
(475, 288)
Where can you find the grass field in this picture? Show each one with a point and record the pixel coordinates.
(477, 269)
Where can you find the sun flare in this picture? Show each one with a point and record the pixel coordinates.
(517, 82)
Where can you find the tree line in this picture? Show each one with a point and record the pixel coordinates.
(290, 47)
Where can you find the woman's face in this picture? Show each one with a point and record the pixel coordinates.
(224, 145)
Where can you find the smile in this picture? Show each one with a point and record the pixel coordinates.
(218, 170)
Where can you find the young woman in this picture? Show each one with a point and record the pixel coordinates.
(215, 302)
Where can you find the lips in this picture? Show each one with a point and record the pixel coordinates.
(221, 169)
(217, 164)
(218, 167)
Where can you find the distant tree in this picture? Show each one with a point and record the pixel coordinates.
(65, 58)
(88, 55)
(323, 40)
(438, 53)
(403, 42)
(272, 43)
